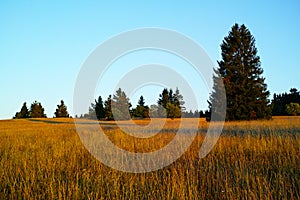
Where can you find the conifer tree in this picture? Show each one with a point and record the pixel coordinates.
(241, 72)
(120, 105)
(24, 113)
(37, 110)
(107, 107)
(99, 108)
(141, 111)
(61, 110)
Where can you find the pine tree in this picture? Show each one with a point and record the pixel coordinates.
(37, 110)
(178, 99)
(61, 110)
(99, 108)
(24, 113)
(164, 98)
(107, 107)
(170, 104)
(141, 111)
(120, 106)
(240, 69)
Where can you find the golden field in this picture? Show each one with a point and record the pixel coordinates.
(45, 159)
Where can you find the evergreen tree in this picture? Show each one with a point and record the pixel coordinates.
(164, 98)
(120, 105)
(99, 108)
(240, 70)
(107, 107)
(24, 113)
(173, 111)
(169, 104)
(37, 110)
(61, 110)
(141, 111)
(280, 101)
(178, 99)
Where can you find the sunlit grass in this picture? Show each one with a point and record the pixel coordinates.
(45, 159)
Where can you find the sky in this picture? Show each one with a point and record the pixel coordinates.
(43, 44)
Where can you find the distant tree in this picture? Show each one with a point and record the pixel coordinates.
(169, 104)
(120, 105)
(201, 114)
(141, 111)
(280, 101)
(163, 98)
(37, 110)
(99, 108)
(293, 109)
(173, 111)
(178, 100)
(240, 70)
(61, 110)
(154, 111)
(24, 113)
(107, 107)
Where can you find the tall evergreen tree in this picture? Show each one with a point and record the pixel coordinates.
(99, 108)
(107, 107)
(61, 110)
(24, 113)
(163, 98)
(178, 99)
(37, 110)
(240, 69)
(120, 105)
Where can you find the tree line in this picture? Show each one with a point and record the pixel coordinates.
(239, 70)
(37, 111)
(286, 103)
(118, 107)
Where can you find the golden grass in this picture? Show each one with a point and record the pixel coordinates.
(45, 159)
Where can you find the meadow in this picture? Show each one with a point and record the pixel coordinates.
(45, 159)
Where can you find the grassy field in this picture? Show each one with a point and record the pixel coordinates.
(45, 159)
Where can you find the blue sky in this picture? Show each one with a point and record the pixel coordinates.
(43, 45)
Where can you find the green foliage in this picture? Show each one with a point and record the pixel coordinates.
(293, 109)
(120, 106)
(241, 72)
(24, 113)
(37, 110)
(108, 111)
(280, 101)
(61, 110)
(173, 111)
(99, 108)
(169, 104)
(141, 111)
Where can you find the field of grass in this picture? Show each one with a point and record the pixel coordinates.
(45, 159)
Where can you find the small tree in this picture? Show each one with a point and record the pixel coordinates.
(173, 111)
(107, 107)
(61, 110)
(99, 108)
(24, 113)
(141, 111)
(37, 110)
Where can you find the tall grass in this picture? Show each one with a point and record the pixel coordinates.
(251, 160)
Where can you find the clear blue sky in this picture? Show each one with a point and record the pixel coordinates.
(44, 43)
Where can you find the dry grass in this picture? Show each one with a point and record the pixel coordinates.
(252, 160)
